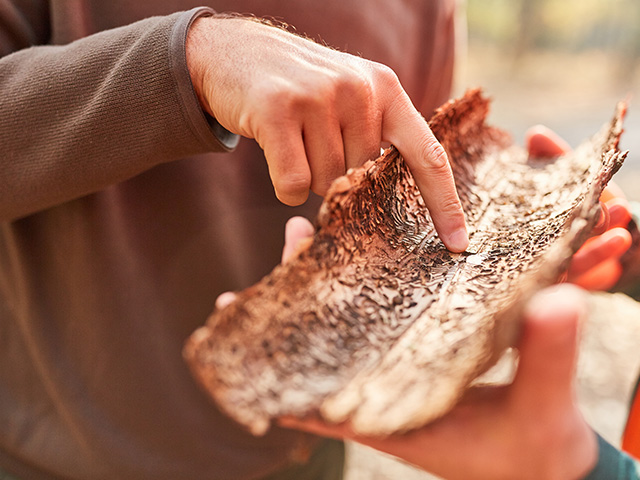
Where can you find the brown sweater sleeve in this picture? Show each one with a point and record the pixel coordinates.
(77, 118)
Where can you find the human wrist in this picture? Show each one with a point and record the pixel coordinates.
(583, 455)
(567, 451)
(196, 64)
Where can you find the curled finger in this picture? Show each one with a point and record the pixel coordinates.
(324, 150)
(542, 142)
(288, 164)
(619, 212)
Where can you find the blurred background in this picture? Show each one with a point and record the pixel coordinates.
(561, 63)
(564, 64)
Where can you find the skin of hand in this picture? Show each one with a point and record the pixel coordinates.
(596, 265)
(529, 429)
(316, 112)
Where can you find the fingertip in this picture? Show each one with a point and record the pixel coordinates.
(623, 239)
(458, 241)
(288, 168)
(292, 198)
(586, 263)
(619, 212)
(298, 235)
(542, 142)
(614, 241)
(560, 303)
(225, 299)
(449, 222)
(603, 222)
(297, 228)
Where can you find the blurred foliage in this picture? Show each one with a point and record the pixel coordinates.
(571, 25)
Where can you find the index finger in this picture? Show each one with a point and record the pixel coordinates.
(426, 158)
(612, 244)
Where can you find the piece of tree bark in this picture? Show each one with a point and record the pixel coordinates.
(376, 322)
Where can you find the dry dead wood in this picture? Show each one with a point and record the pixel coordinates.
(376, 321)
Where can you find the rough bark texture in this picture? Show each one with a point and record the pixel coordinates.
(376, 322)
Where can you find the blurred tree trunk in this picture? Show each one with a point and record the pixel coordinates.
(635, 11)
(529, 26)
(630, 50)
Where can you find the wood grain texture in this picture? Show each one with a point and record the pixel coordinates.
(375, 321)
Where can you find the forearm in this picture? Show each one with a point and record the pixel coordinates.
(77, 118)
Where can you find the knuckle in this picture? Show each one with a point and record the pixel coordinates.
(307, 97)
(387, 83)
(289, 100)
(385, 74)
(248, 126)
(434, 154)
(325, 90)
(450, 206)
(279, 96)
(357, 85)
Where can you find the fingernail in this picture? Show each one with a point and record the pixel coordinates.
(458, 241)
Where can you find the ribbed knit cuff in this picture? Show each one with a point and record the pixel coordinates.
(203, 124)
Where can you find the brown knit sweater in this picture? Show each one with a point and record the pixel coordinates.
(119, 226)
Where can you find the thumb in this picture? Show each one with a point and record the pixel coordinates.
(548, 346)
